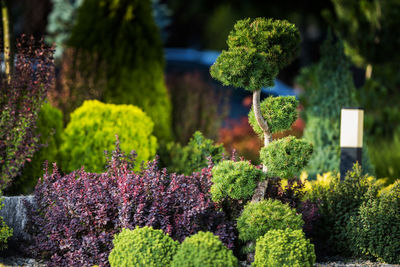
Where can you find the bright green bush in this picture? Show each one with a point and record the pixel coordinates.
(258, 218)
(50, 128)
(258, 49)
(284, 248)
(5, 231)
(203, 249)
(236, 180)
(194, 156)
(337, 202)
(92, 130)
(375, 231)
(118, 46)
(286, 157)
(279, 112)
(142, 247)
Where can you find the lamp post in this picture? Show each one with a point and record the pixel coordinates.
(351, 138)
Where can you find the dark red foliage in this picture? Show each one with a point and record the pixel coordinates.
(78, 214)
(21, 97)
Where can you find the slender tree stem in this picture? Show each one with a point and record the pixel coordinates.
(6, 38)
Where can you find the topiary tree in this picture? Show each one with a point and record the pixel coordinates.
(142, 247)
(258, 49)
(203, 249)
(92, 131)
(284, 248)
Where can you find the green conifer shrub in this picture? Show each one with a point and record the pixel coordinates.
(142, 247)
(236, 180)
(328, 87)
(286, 157)
(375, 231)
(279, 112)
(337, 202)
(92, 131)
(203, 249)
(118, 48)
(49, 127)
(284, 248)
(260, 217)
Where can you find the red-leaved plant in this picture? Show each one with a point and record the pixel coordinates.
(77, 214)
(21, 96)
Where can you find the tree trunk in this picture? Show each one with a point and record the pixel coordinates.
(6, 40)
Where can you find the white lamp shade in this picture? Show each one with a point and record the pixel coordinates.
(351, 127)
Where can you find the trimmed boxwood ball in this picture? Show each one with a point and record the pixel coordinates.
(236, 180)
(376, 229)
(203, 249)
(286, 157)
(284, 248)
(258, 218)
(258, 49)
(279, 113)
(92, 130)
(142, 247)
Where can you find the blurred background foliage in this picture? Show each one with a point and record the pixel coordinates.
(112, 51)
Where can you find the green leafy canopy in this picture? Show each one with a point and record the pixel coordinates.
(258, 49)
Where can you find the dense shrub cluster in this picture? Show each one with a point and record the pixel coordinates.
(142, 247)
(78, 214)
(49, 128)
(284, 247)
(286, 157)
(258, 218)
(203, 249)
(279, 112)
(92, 130)
(375, 230)
(21, 96)
(194, 156)
(236, 180)
(337, 202)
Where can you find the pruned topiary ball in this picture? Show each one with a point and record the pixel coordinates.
(142, 247)
(236, 180)
(286, 248)
(286, 157)
(260, 217)
(203, 249)
(258, 49)
(279, 113)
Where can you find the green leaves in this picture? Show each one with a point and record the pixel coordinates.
(286, 157)
(258, 49)
(279, 113)
(236, 180)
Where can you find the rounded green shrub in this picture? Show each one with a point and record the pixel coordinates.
(279, 113)
(203, 249)
(258, 49)
(93, 128)
(236, 180)
(284, 248)
(286, 157)
(142, 247)
(258, 218)
(376, 230)
(50, 128)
